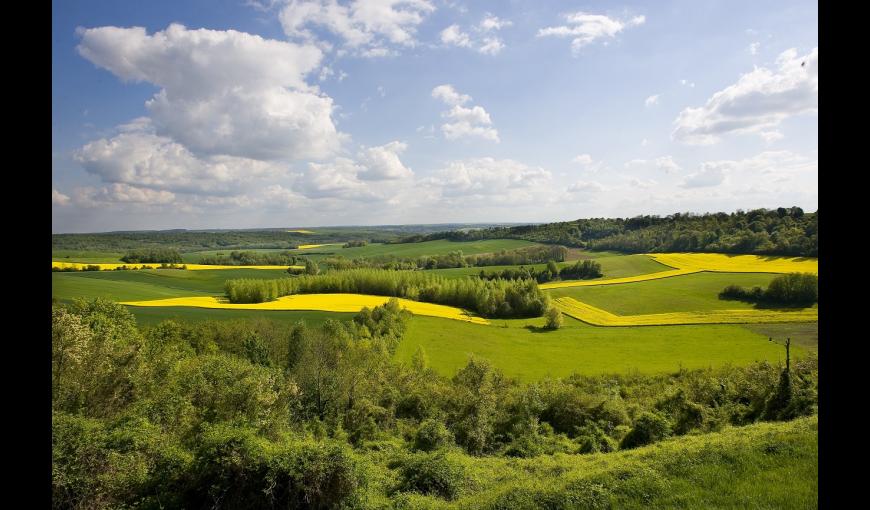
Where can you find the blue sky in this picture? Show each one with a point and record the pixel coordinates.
(234, 114)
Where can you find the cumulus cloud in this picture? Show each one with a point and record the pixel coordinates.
(482, 40)
(769, 167)
(758, 102)
(145, 159)
(383, 163)
(368, 28)
(495, 180)
(223, 92)
(584, 28)
(582, 159)
(121, 193)
(463, 122)
(667, 164)
(586, 187)
(58, 198)
(651, 100)
(454, 36)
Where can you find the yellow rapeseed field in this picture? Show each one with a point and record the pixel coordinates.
(688, 263)
(721, 262)
(598, 317)
(192, 267)
(613, 281)
(320, 302)
(301, 231)
(310, 246)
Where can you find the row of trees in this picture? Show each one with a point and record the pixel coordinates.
(152, 255)
(781, 231)
(255, 414)
(793, 289)
(489, 298)
(580, 270)
(252, 258)
(454, 259)
(96, 267)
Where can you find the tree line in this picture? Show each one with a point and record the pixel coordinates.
(453, 259)
(793, 289)
(252, 258)
(782, 231)
(255, 414)
(488, 298)
(580, 270)
(152, 255)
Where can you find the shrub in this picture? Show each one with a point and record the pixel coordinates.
(554, 318)
(432, 435)
(648, 428)
(434, 474)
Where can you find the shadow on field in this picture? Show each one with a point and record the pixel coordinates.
(538, 329)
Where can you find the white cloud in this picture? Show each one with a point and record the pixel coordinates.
(767, 168)
(586, 187)
(454, 36)
(667, 164)
(121, 193)
(644, 142)
(495, 180)
(585, 28)
(367, 27)
(464, 122)
(582, 159)
(687, 83)
(753, 48)
(759, 101)
(223, 92)
(651, 100)
(483, 43)
(642, 183)
(58, 198)
(383, 163)
(771, 136)
(491, 46)
(144, 159)
(490, 23)
(449, 95)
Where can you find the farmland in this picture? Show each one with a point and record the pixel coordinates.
(652, 325)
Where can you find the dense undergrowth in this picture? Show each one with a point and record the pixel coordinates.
(252, 414)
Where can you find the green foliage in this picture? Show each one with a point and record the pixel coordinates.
(432, 435)
(554, 318)
(149, 255)
(496, 298)
(252, 414)
(251, 258)
(783, 231)
(437, 474)
(648, 428)
(792, 289)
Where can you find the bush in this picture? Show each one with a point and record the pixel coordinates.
(152, 255)
(432, 435)
(554, 318)
(793, 288)
(435, 474)
(648, 428)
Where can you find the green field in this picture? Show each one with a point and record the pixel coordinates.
(525, 351)
(93, 257)
(522, 349)
(147, 316)
(685, 293)
(149, 284)
(411, 250)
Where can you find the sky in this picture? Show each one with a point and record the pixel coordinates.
(276, 113)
